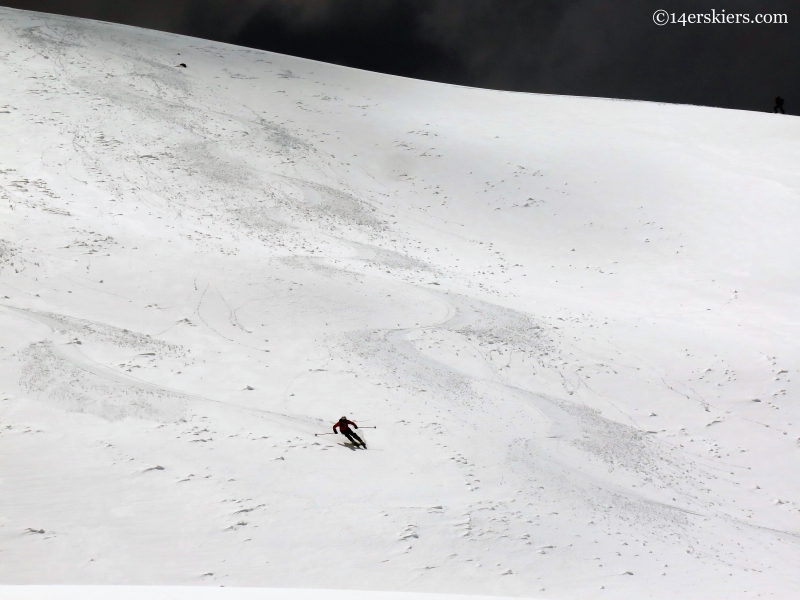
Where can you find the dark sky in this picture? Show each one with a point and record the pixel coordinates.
(606, 48)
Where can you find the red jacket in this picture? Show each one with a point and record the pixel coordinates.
(344, 425)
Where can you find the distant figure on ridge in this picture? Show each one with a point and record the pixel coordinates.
(778, 106)
(344, 425)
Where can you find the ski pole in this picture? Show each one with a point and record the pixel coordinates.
(330, 433)
(368, 427)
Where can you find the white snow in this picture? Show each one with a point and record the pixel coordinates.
(573, 323)
(119, 592)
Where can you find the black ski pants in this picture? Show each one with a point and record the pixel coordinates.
(351, 434)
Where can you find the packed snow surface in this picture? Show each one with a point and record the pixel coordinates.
(100, 592)
(572, 322)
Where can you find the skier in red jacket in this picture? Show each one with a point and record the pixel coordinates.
(344, 426)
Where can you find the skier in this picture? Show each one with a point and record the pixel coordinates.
(344, 425)
(778, 105)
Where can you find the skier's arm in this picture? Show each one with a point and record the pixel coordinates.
(335, 426)
(353, 424)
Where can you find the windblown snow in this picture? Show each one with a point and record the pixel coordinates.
(572, 322)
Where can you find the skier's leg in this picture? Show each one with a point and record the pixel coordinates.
(349, 436)
(355, 435)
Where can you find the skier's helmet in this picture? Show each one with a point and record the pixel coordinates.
(343, 419)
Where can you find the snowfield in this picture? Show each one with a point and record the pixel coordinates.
(573, 323)
(100, 592)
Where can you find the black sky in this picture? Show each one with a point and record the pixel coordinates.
(607, 48)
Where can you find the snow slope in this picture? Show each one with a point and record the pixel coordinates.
(119, 592)
(573, 323)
